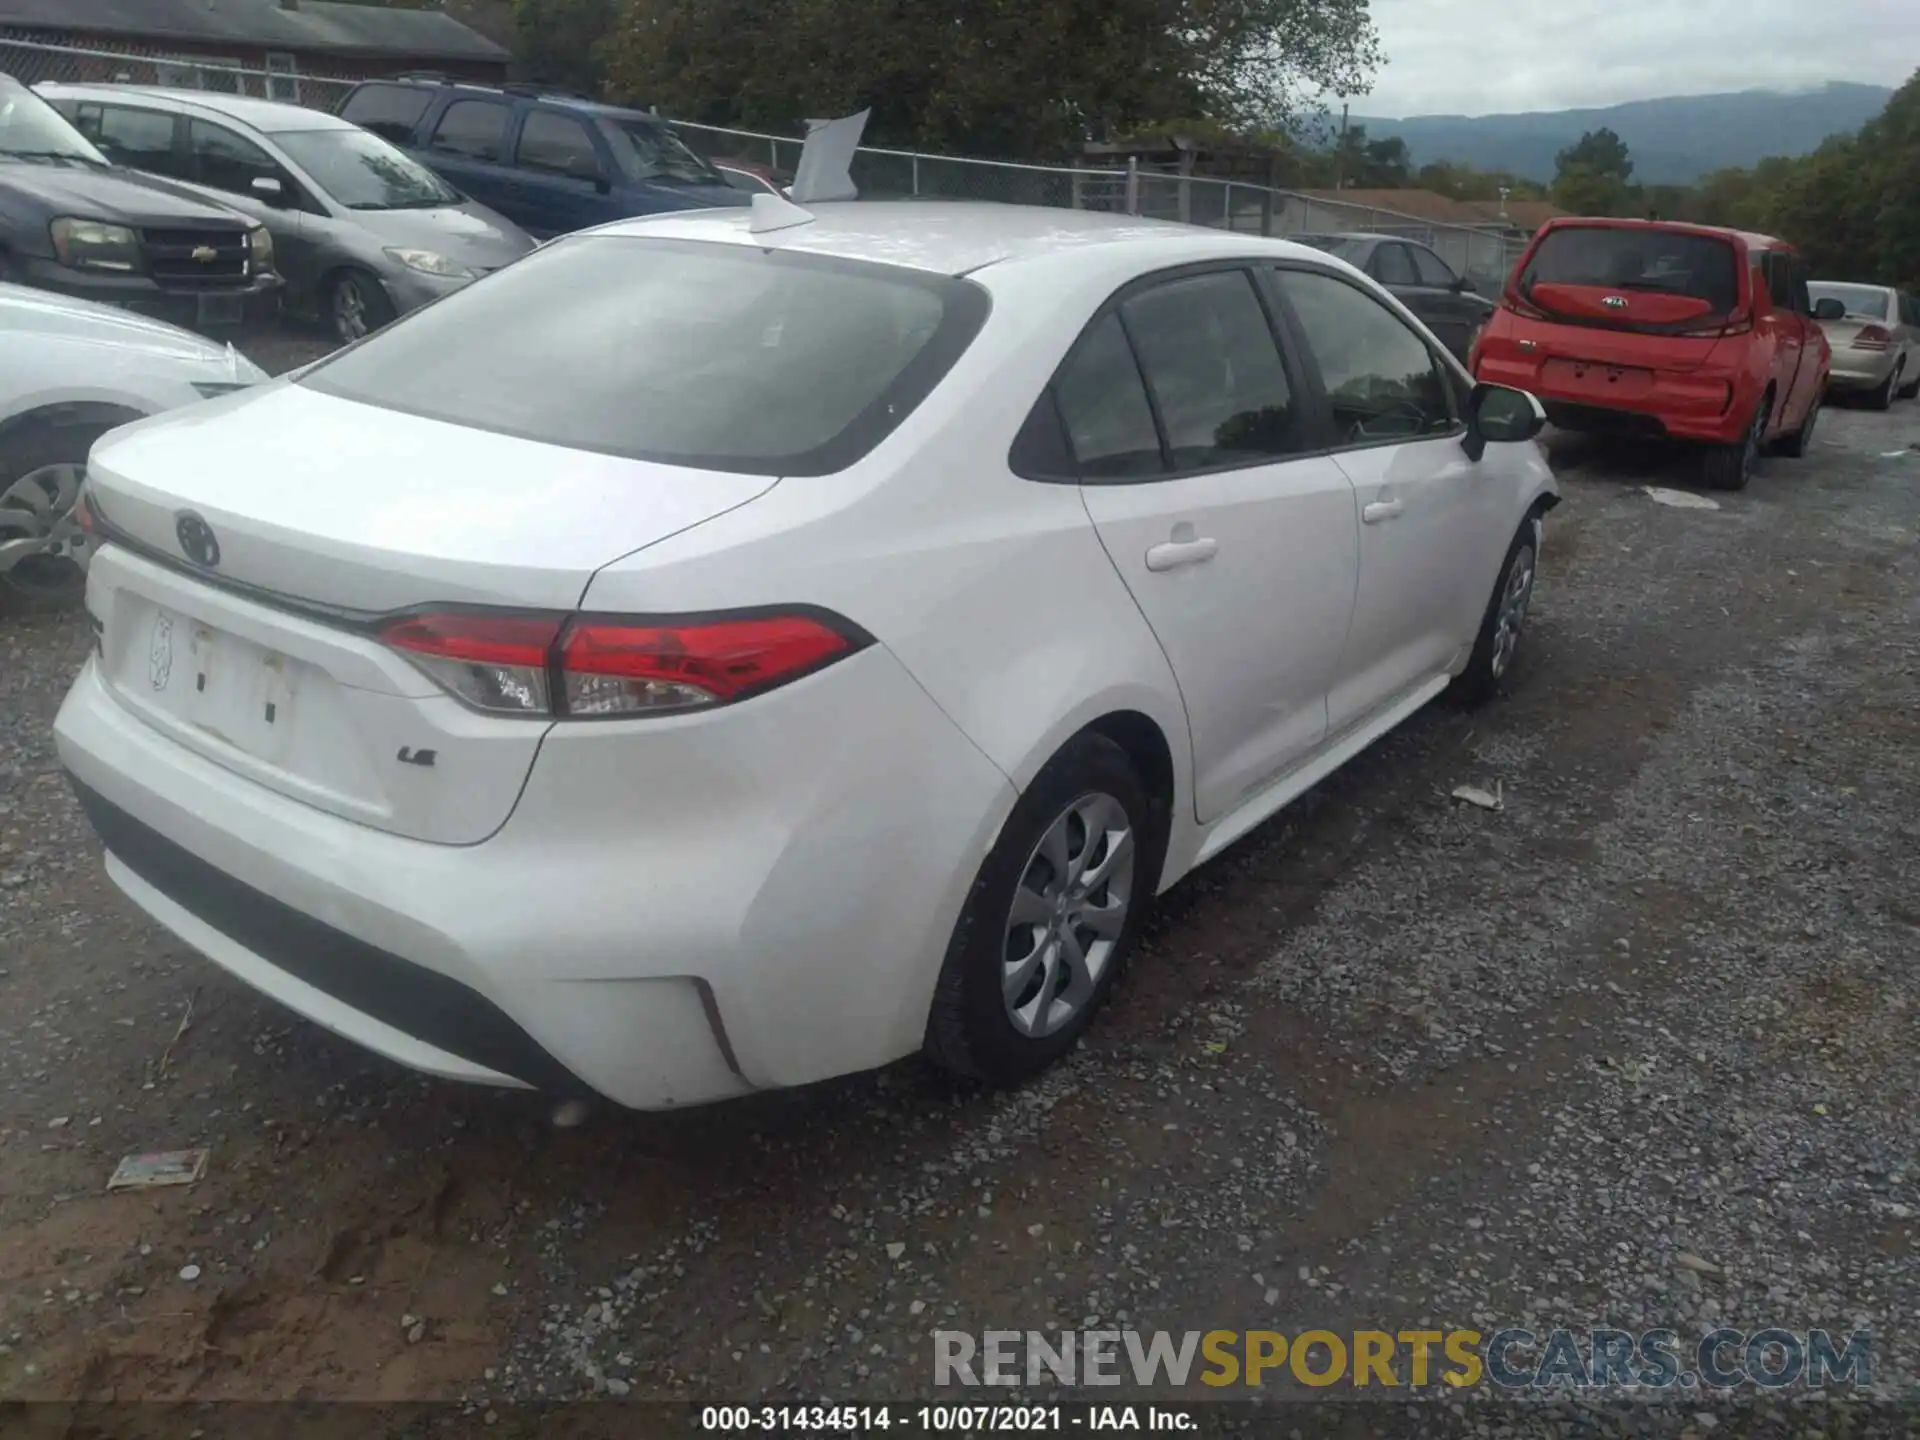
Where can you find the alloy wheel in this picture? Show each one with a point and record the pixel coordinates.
(1067, 915)
(349, 310)
(1511, 618)
(43, 550)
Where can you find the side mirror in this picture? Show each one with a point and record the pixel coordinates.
(1829, 309)
(1498, 415)
(1466, 286)
(268, 189)
(603, 185)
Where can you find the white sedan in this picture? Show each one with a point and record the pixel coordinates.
(702, 658)
(69, 372)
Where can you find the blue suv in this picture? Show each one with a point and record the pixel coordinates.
(549, 163)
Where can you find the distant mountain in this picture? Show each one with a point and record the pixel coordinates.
(1674, 141)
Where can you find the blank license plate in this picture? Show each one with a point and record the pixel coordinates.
(1619, 382)
(230, 688)
(220, 309)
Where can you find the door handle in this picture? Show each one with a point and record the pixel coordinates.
(1380, 510)
(1172, 554)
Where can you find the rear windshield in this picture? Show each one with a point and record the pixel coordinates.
(1863, 302)
(714, 356)
(1672, 262)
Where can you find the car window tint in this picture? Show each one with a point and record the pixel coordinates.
(1041, 449)
(224, 160)
(1432, 270)
(138, 139)
(1392, 267)
(1382, 381)
(389, 111)
(699, 355)
(1104, 405)
(476, 129)
(557, 145)
(1213, 369)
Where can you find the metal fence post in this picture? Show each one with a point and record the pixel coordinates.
(916, 175)
(1228, 221)
(1133, 185)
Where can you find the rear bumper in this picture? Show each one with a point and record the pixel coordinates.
(767, 906)
(1855, 371)
(211, 308)
(1705, 405)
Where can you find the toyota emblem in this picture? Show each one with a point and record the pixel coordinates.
(197, 541)
(1615, 302)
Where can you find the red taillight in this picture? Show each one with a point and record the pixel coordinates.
(609, 666)
(1740, 322)
(613, 667)
(493, 662)
(1873, 337)
(83, 516)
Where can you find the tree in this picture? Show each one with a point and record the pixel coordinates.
(1594, 175)
(562, 42)
(1016, 78)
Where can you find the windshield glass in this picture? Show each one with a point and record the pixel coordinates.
(30, 126)
(716, 357)
(647, 151)
(1673, 262)
(364, 172)
(1863, 302)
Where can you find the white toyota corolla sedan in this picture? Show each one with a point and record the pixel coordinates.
(702, 658)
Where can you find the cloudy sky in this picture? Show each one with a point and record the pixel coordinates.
(1480, 57)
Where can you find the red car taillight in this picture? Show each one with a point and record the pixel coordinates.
(1873, 337)
(561, 666)
(1740, 322)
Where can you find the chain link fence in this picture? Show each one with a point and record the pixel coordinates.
(1485, 254)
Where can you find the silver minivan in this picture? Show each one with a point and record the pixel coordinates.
(1875, 334)
(362, 233)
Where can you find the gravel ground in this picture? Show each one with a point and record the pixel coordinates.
(1636, 1050)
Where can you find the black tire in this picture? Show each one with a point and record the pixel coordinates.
(1730, 467)
(56, 580)
(1910, 391)
(356, 306)
(1487, 670)
(970, 1029)
(1797, 444)
(1882, 397)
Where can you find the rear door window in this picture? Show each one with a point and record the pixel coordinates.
(138, 139)
(476, 129)
(389, 111)
(1214, 371)
(1637, 258)
(706, 356)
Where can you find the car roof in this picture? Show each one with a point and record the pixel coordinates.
(530, 93)
(1748, 238)
(266, 116)
(951, 237)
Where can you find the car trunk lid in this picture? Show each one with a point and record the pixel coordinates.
(262, 539)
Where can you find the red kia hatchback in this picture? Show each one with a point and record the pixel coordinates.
(1652, 328)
